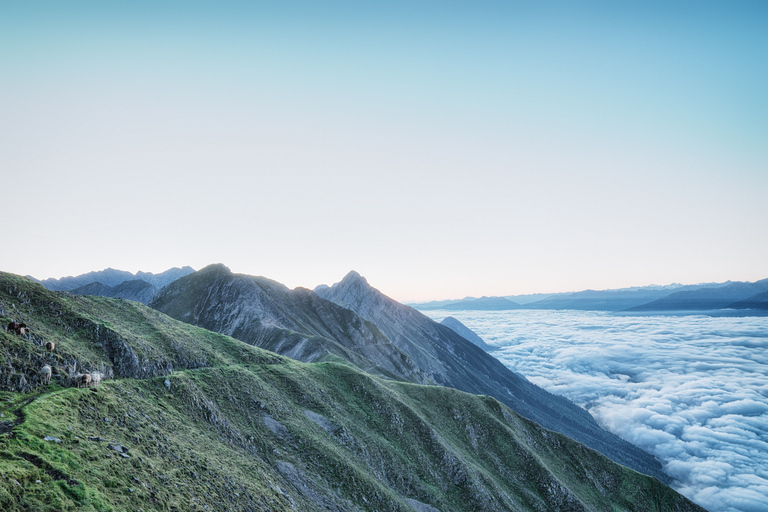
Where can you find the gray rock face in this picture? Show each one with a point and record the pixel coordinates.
(295, 323)
(450, 360)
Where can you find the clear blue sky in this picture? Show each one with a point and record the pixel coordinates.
(441, 149)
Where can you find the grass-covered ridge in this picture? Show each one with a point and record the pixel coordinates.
(250, 430)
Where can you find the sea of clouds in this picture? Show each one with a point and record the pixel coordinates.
(692, 390)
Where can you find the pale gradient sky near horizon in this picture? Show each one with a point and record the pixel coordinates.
(441, 149)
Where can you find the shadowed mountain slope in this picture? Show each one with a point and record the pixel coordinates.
(296, 323)
(450, 360)
(253, 431)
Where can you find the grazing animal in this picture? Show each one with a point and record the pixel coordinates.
(49, 346)
(46, 371)
(83, 380)
(18, 328)
(95, 378)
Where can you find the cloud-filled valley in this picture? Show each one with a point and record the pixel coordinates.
(692, 390)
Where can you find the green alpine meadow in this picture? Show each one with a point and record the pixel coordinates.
(181, 418)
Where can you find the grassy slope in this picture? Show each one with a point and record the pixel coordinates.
(254, 431)
(81, 327)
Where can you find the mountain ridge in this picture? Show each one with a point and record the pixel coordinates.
(239, 428)
(114, 277)
(296, 323)
(632, 299)
(451, 360)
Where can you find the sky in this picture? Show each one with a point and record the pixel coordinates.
(442, 149)
(691, 390)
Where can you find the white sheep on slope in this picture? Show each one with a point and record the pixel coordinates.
(46, 371)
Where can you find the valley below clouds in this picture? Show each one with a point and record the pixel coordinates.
(692, 390)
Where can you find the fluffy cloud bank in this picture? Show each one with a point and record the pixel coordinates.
(692, 390)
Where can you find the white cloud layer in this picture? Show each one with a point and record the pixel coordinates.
(691, 390)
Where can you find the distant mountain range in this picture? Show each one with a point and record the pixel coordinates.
(112, 277)
(483, 304)
(141, 286)
(729, 298)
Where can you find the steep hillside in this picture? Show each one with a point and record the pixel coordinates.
(253, 431)
(450, 360)
(296, 323)
(117, 337)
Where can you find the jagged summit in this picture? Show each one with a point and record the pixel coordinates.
(354, 292)
(353, 282)
(354, 277)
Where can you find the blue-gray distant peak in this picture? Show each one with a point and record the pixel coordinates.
(113, 277)
(465, 332)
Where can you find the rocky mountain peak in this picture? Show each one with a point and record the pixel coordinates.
(354, 279)
(352, 291)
